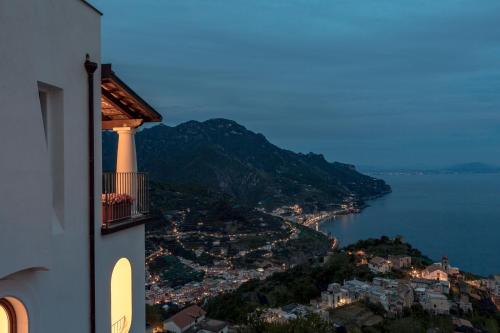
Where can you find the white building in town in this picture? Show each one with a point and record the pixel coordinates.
(435, 303)
(71, 259)
(400, 261)
(185, 319)
(434, 272)
(335, 296)
(379, 265)
(439, 286)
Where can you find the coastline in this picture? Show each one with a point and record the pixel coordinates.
(439, 203)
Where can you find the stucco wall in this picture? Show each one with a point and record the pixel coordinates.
(124, 244)
(43, 254)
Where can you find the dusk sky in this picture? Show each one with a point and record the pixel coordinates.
(378, 83)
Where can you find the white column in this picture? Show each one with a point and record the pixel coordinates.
(126, 164)
(125, 157)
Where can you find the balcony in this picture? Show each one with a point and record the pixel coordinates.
(125, 200)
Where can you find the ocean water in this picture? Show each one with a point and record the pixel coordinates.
(453, 215)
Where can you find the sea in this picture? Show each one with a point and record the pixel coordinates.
(457, 215)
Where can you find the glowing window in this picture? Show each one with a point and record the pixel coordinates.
(13, 316)
(121, 297)
(5, 320)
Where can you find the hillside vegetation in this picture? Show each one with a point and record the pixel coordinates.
(225, 157)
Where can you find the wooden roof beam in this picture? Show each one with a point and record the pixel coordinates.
(110, 124)
(118, 104)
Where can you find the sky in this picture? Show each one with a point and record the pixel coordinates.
(399, 83)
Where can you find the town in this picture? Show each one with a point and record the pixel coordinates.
(220, 259)
(397, 283)
(221, 275)
(438, 289)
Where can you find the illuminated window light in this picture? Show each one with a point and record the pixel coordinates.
(5, 320)
(121, 297)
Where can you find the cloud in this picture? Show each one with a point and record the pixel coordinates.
(370, 82)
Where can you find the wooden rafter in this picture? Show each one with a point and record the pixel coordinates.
(117, 104)
(110, 124)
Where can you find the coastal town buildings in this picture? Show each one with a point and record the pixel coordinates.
(402, 289)
(393, 295)
(379, 265)
(297, 213)
(464, 304)
(450, 270)
(218, 279)
(193, 320)
(335, 296)
(493, 287)
(185, 319)
(400, 261)
(434, 272)
(285, 313)
(434, 302)
(496, 285)
(440, 271)
(277, 315)
(489, 285)
(72, 236)
(440, 286)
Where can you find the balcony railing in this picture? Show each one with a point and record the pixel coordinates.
(125, 197)
(119, 325)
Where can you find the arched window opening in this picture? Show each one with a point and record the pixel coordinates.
(8, 320)
(5, 319)
(13, 316)
(121, 297)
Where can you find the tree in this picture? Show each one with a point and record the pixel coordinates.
(309, 324)
(154, 315)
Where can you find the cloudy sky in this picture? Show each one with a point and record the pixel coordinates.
(377, 83)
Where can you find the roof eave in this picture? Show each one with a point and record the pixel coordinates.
(108, 74)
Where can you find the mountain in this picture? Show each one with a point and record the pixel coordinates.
(463, 168)
(473, 167)
(224, 156)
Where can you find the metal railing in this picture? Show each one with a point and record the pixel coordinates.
(125, 195)
(119, 325)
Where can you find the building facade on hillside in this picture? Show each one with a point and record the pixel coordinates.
(464, 304)
(439, 286)
(193, 320)
(335, 296)
(445, 265)
(72, 236)
(184, 320)
(393, 295)
(277, 315)
(400, 261)
(435, 303)
(434, 272)
(401, 289)
(210, 326)
(379, 265)
(286, 313)
(492, 285)
(357, 289)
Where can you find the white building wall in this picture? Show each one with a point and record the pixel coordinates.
(44, 258)
(110, 248)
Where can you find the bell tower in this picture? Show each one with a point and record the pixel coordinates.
(445, 264)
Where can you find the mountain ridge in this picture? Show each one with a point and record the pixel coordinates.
(461, 168)
(223, 155)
